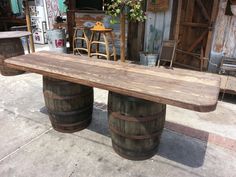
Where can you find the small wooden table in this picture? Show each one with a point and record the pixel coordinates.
(137, 98)
(10, 46)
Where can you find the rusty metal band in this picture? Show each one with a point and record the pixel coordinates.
(142, 156)
(70, 112)
(71, 124)
(139, 137)
(117, 115)
(52, 95)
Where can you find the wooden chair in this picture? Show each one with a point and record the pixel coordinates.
(167, 52)
(83, 38)
(104, 33)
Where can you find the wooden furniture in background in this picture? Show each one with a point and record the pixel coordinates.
(105, 33)
(10, 46)
(134, 85)
(28, 23)
(80, 35)
(7, 22)
(167, 52)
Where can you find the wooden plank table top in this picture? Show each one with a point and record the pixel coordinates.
(13, 34)
(182, 88)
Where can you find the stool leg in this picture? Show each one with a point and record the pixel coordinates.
(90, 44)
(107, 46)
(74, 40)
(113, 45)
(87, 42)
(27, 43)
(97, 49)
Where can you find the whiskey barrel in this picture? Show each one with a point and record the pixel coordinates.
(69, 105)
(10, 48)
(135, 125)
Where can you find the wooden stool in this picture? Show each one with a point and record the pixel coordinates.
(83, 38)
(104, 33)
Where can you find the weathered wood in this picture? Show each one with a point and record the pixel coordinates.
(71, 25)
(210, 34)
(196, 22)
(136, 31)
(14, 34)
(203, 9)
(11, 46)
(197, 25)
(70, 105)
(28, 23)
(136, 126)
(228, 84)
(194, 45)
(186, 89)
(122, 37)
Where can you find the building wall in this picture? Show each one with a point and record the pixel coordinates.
(157, 29)
(224, 37)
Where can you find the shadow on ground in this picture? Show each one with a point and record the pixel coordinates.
(229, 98)
(175, 147)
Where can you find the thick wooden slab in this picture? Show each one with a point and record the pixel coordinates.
(187, 89)
(13, 34)
(228, 84)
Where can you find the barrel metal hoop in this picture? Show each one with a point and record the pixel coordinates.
(49, 94)
(71, 124)
(134, 137)
(70, 112)
(117, 115)
(141, 156)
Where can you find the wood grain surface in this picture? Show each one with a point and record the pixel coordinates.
(182, 88)
(13, 34)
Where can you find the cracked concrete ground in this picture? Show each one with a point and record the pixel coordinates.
(31, 148)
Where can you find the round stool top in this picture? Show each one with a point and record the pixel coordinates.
(102, 30)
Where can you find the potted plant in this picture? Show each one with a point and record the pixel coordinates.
(131, 10)
(150, 55)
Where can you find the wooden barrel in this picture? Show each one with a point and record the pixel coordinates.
(70, 105)
(135, 125)
(10, 48)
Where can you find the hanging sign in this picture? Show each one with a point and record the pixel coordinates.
(157, 5)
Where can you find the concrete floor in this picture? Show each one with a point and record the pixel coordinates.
(31, 148)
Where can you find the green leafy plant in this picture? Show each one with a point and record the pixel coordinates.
(131, 8)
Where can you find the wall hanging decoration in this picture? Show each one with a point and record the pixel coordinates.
(157, 5)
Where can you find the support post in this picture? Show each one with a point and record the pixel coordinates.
(28, 22)
(122, 37)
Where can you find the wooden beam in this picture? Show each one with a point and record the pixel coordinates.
(210, 34)
(197, 25)
(194, 45)
(178, 20)
(71, 24)
(203, 9)
(28, 22)
(122, 37)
